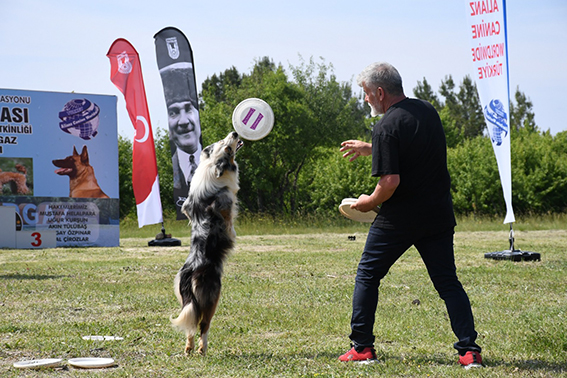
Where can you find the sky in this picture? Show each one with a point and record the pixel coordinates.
(61, 45)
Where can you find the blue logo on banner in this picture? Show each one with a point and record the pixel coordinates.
(79, 117)
(495, 114)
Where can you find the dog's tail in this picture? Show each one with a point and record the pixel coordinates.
(176, 287)
(189, 318)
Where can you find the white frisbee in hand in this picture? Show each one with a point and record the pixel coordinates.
(253, 119)
(356, 215)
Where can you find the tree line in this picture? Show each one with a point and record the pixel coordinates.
(298, 169)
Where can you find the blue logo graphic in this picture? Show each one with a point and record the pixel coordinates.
(495, 114)
(79, 117)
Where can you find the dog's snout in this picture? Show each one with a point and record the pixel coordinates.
(234, 134)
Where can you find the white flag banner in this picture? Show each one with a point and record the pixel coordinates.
(486, 20)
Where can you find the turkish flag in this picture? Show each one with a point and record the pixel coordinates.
(126, 74)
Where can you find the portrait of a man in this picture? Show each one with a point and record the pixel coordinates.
(184, 126)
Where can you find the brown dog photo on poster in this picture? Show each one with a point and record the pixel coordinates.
(82, 180)
(16, 182)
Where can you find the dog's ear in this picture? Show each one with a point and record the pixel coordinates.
(75, 153)
(207, 151)
(85, 155)
(220, 167)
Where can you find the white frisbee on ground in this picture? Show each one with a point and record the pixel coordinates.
(356, 215)
(102, 338)
(91, 362)
(253, 119)
(38, 364)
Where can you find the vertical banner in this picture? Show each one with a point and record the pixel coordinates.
(175, 62)
(126, 74)
(486, 22)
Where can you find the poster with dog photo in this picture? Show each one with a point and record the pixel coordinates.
(59, 164)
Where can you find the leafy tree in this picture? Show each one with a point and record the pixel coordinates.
(338, 115)
(539, 171)
(462, 112)
(127, 200)
(313, 177)
(470, 109)
(475, 181)
(217, 85)
(331, 178)
(311, 110)
(424, 91)
(453, 134)
(165, 170)
(463, 107)
(539, 175)
(521, 114)
(298, 166)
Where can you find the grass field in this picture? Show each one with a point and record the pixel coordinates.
(285, 307)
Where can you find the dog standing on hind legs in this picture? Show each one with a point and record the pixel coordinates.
(211, 207)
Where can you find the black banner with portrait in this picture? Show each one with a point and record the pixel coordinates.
(177, 70)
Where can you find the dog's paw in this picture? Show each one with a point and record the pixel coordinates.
(190, 345)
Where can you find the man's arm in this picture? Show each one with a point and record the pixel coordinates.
(384, 190)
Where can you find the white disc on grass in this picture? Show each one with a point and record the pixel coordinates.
(37, 364)
(91, 362)
(102, 338)
(253, 119)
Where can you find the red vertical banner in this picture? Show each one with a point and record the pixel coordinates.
(126, 74)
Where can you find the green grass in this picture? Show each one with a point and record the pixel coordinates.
(285, 307)
(304, 224)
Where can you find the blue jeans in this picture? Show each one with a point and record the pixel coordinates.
(382, 250)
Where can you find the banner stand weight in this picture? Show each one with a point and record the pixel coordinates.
(164, 240)
(513, 254)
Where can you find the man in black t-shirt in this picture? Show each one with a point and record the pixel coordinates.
(409, 154)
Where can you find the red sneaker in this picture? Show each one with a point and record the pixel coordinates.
(471, 359)
(367, 356)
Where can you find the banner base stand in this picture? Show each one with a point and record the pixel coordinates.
(164, 240)
(513, 254)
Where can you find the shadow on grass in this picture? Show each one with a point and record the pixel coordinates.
(530, 365)
(18, 276)
(540, 366)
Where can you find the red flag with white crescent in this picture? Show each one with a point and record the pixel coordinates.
(126, 74)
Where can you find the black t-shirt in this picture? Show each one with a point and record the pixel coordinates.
(409, 141)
